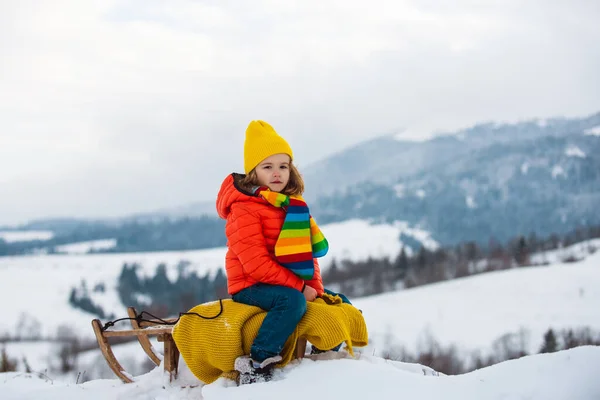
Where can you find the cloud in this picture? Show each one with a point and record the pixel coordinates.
(113, 107)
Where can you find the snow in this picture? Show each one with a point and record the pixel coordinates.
(470, 202)
(399, 189)
(413, 134)
(423, 236)
(87, 247)
(524, 168)
(24, 236)
(577, 251)
(420, 193)
(358, 240)
(569, 374)
(557, 170)
(473, 312)
(52, 277)
(38, 354)
(595, 131)
(446, 309)
(574, 151)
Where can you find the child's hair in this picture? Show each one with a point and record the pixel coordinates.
(294, 187)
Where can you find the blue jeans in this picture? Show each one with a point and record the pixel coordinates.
(285, 308)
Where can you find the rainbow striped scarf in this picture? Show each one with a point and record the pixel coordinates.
(300, 239)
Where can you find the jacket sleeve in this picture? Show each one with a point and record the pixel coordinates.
(247, 242)
(316, 282)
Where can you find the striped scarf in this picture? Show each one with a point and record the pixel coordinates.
(300, 239)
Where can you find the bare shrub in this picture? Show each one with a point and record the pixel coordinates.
(571, 259)
(579, 337)
(68, 349)
(7, 364)
(510, 346)
(431, 354)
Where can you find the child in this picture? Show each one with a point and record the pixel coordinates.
(273, 245)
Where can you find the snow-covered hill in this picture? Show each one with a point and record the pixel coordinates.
(470, 313)
(38, 287)
(568, 374)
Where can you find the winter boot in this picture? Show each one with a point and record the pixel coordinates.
(314, 350)
(252, 371)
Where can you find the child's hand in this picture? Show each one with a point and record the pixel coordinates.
(309, 293)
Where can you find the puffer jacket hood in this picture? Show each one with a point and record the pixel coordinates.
(232, 192)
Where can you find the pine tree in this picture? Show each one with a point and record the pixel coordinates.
(422, 258)
(549, 345)
(522, 252)
(401, 264)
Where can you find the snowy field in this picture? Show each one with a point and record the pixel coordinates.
(564, 375)
(37, 287)
(470, 313)
(23, 236)
(576, 251)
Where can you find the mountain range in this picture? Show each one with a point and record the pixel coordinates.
(489, 181)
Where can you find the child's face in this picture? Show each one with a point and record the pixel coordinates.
(274, 172)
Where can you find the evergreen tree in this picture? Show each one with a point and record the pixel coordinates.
(472, 251)
(333, 273)
(401, 264)
(533, 242)
(422, 258)
(522, 252)
(549, 345)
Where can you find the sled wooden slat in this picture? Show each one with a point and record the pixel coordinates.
(108, 354)
(143, 339)
(140, 332)
(171, 354)
(300, 347)
(146, 324)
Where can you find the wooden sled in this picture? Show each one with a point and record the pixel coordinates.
(142, 330)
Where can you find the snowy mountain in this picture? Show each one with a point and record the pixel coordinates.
(389, 159)
(490, 181)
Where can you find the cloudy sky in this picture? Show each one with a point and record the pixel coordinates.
(114, 107)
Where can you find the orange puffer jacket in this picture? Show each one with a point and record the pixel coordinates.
(252, 228)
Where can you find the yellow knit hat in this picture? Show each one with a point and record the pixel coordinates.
(261, 142)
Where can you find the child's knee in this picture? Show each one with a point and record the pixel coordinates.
(297, 303)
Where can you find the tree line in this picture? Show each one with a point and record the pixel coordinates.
(160, 235)
(378, 275)
(156, 293)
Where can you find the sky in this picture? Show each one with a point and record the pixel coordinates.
(110, 108)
